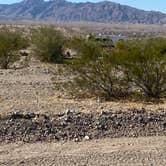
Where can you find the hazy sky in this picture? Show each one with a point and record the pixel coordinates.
(159, 5)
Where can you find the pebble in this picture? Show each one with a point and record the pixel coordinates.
(31, 127)
(87, 137)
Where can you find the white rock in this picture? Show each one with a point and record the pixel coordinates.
(87, 137)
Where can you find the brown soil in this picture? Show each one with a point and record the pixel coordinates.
(149, 151)
(31, 89)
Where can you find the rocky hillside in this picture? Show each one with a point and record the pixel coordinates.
(61, 10)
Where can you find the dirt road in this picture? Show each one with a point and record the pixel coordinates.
(147, 151)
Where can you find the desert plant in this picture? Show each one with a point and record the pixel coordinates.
(10, 43)
(144, 64)
(94, 71)
(49, 44)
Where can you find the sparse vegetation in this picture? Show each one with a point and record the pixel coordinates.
(94, 71)
(144, 65)
(10, 43)
(135, 64)
(49, 45)
(96, 68)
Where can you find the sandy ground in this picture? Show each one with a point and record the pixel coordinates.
(149, 151)
(31, 90)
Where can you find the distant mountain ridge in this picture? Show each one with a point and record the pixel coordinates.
(61, 10)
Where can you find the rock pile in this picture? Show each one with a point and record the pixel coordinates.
(80, 126)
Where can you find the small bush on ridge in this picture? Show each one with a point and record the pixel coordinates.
(49, 45)
(10, 43)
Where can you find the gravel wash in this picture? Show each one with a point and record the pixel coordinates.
(78, 126)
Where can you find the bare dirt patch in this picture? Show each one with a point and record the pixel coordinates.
(108, 152)
(31, 89)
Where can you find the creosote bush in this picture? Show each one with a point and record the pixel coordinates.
(10, 43)
(144, 65)
(94, 72)
(49, 44)
(131, 66)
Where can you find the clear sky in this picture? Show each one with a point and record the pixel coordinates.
(159, 5)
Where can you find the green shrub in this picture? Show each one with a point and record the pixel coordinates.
(49, 45)
(10, 43)
(144, 64)
(93, 70)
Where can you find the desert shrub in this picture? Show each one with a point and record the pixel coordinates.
(49, 45)
(94, 71)
(10, 43)
(144, 64)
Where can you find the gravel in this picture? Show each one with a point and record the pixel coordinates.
(78, 126)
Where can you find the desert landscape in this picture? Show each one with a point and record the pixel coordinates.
(82, 83)
(41, 124)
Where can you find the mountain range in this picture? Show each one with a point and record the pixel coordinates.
(61, 10)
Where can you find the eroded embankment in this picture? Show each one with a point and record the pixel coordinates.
(79, 126)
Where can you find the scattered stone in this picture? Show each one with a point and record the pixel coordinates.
(87, 137)
(67, 111)
(78, 126)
